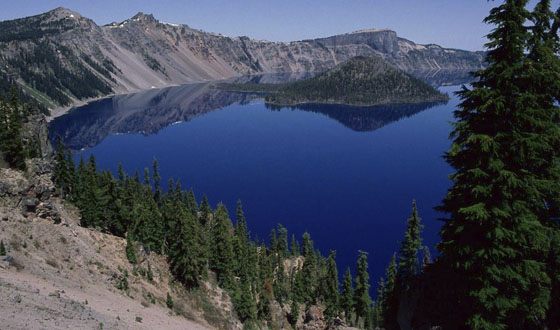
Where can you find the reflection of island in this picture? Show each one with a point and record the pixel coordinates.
(363, 119)
(150, 111)
(146, 113)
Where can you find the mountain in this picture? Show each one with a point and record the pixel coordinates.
(60, 56)
(361, 81)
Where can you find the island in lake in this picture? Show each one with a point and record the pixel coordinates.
(360, 81)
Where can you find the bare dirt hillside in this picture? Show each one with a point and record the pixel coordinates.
(58, 275)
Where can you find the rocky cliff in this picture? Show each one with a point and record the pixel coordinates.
(60, 57)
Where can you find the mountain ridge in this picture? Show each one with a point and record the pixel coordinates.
(61, 57)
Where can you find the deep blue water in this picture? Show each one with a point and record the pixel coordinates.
(345, 175)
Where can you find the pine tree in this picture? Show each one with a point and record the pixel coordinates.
(281, 279)
(157, 181)
(294, 247)
(308, 280)
(544, 69)
(222, 258)
(149, 273)
(245, 303)
(191, 202)
(94, 199)
(204, 217)
(61, 169)
(169, 301)
(362, 299)
(409, 265)
(148, 224)
(11, 143)
(347, 298)
(553, 317)
(282, 241)
(493, 241)
(186, 261)
(2, 248)
(273, 241)
(330, 283)
(294, 313)
(205, 211)
(379, 306)
(130, 251)
(426, 257)
(390, 303)
(241, 241)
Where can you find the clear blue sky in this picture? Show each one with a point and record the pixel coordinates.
(450, 23)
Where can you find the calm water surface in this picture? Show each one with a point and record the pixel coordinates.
(346, 175)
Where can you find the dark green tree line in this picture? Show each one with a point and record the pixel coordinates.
(198, 239)
(497, 237)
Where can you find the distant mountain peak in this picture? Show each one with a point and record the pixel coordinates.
(141, 16)
(61, 12)
(372, 30)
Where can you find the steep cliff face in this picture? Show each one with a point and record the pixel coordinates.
(60, 56)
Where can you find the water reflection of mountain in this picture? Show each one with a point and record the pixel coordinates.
(145, 112)
(363, 119)
(150, 111)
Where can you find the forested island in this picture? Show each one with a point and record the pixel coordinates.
(360, 81)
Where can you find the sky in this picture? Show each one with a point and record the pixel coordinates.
(449, 23)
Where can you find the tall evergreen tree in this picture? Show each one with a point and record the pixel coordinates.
(157, 181)
(543, 68)
(11, 143)
(426, 257)
(379, 306)
(409, 265)
(294, 313)
(241, 241)
(294, 247)
(390, 302)
(205, 216)
(191, 202)
(245, 302)
(362, 299)
(64, 170)
(222, 258)
(186, 260)
(148, 222)
(130, 251)
(205, 211)
(347, 297)
(308, 280)
(493, 241)
(553, 317)
(330, 283)
(282, 241)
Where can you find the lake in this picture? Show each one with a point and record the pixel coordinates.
(346, 175)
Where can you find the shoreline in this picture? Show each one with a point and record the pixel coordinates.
(373, 105)
(60, 111)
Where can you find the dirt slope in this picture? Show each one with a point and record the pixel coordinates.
(63, 276)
